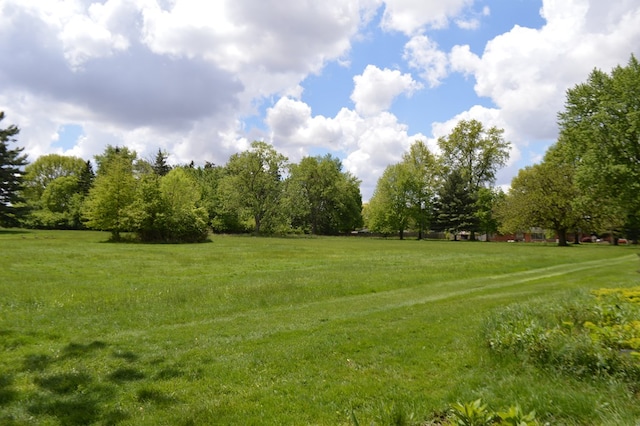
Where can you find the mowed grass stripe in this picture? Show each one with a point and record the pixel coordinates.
(301, 316)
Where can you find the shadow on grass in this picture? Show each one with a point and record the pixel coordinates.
(13, 231)
(75, 394)
(7, 393)
(75, 350)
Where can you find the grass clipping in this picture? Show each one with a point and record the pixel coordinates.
(594, 334)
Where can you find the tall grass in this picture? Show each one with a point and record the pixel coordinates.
(247, 330)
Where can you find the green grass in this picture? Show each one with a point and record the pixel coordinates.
(249, 330)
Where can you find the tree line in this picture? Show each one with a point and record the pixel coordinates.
(587, 183)
(256, 191)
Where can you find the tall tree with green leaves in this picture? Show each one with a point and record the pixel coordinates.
(54, 192)
(424, 174)
(475, 153)
(221, 218)
(253, 186)
(12, 162)
(601, 126)
(486, 203)
(543, 195)
(186, 220)
(110, 198)
(390, 208)
(322, 197)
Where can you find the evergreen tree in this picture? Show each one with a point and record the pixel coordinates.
(86, 178)
(455, 206)
(11, 175)
(160, 166)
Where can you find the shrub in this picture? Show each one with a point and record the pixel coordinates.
(586, 335)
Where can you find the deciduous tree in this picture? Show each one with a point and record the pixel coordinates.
(543, 195)
(54, 189)
(475, 153)
(322, 197)
(253, 185)
(601, 126)
(106, 207)
(390, 207)
(424, 171)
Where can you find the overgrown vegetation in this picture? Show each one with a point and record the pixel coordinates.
(595, 335)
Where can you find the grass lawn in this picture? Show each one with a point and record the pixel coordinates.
(280, 331)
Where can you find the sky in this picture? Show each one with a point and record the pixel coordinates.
(358, 79)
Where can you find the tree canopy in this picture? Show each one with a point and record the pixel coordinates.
(323, 198)
(253, 185)
(600, 129)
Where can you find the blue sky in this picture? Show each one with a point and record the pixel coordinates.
(361, 79)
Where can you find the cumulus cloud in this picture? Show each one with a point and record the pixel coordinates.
(184, 75)
(375, 89)
(369, 143)
(409, 16)
(526, 72)
(176, 74)
(423, 54)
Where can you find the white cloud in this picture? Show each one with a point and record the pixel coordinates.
(424, 55)
(526, 72)
(375, 89)
(369, 143)
(410, 16)
(178, 74)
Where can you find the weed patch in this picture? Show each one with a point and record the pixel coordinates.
(586, 335)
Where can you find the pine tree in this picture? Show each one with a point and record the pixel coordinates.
(454, 209)
(11, 173)
(160, 166)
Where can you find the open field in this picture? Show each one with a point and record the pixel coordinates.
(249, 330)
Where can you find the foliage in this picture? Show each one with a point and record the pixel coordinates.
(390, 208)
(424, 169)
(322, 198)
(11, 176)
(160, 166)
(405, 193)
(486, 207)
(253, 186)
(475, 152)
(476, 413)
(471, 155)
(542, 195)
(221, 218)
(186, 221)
(471, 414)
(583, 336)
(455, 207)
(600, 127)
(55, 187)
(107, 205)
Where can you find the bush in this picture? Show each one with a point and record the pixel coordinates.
(589, 335)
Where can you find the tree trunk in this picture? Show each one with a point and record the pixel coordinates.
(257, 219)
(562, 237)
(402, 234)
